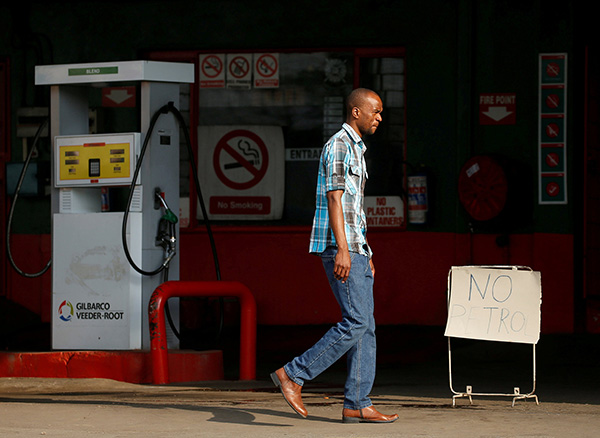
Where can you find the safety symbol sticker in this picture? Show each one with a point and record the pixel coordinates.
(239, 71)
(239, 67)
(266, 70)
(552, 136)
(212, 71)
(240, 159)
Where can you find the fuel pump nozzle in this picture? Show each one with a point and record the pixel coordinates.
(165, 236)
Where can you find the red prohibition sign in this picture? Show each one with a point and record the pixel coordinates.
(239, 67)
(552, 69)
(212, 66)
(552, 130)
(552, 159)
(256, 173)
(552, 101)
(266, 65)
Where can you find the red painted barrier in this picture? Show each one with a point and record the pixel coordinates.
(170, 289)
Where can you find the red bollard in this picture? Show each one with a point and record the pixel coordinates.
(156, 319)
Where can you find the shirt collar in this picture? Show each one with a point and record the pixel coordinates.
(354, 135)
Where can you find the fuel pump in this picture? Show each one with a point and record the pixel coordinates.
(102, 278)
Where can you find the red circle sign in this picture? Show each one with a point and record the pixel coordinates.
(254, 161)
(553, 69)
(552, 189)
(212, 66)
(266, 65)
(552, 159)
(239, 67)
(552, 101)
(552, 130)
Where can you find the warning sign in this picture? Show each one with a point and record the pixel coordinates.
(498, 109)
(552, 136)
(242, 171)
(239, 71)
(384, 211)
(266, 70)
(553, 68)
(552, 128)
(212, 71)
(553, 99)
(241, 159)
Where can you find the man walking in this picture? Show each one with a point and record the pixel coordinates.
(339, 237)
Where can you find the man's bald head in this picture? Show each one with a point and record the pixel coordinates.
(358, 97)
(363, 112)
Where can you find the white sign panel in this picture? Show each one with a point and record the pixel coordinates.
(242, 171)
(494, 304)
(239, 71)
(96, 294)
(384, 211)
(212, 71)
(266, 70)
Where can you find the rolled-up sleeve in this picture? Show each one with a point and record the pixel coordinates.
(335, 166)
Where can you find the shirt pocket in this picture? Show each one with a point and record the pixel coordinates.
(353, 180)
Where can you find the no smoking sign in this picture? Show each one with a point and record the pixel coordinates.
(241, 159)
(212, 71)
(243, 170)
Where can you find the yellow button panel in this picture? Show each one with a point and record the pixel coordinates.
(94, 160)
(103, 160)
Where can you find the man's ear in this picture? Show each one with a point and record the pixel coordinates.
(355, 112)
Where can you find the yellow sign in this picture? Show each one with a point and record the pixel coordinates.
(94, 161)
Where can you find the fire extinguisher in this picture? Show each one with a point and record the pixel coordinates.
(417, 197)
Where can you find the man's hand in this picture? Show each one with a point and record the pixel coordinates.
(341, 268)
(372, 266)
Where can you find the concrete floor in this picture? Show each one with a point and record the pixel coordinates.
(412, 381)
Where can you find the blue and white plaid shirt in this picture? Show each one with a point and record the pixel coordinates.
(342, 167)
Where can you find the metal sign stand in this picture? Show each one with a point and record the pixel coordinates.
(516, 394)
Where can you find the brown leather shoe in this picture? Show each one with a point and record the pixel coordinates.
(290, 390)
(367, 415)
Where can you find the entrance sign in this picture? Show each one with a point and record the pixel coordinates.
(242, 171)
(494, 304)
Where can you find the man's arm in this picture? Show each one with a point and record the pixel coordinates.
(343, 262)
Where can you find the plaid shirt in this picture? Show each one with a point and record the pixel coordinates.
(342, 167)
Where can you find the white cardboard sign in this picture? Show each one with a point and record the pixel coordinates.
(494, 304)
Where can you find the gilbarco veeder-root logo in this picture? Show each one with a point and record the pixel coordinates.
(95, 311)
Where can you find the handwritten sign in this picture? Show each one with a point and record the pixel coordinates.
(494, 304)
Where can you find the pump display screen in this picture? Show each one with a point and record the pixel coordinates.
(95, 160)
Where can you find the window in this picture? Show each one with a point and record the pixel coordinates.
(307, 104)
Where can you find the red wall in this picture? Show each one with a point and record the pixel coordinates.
(411, 272)
(290, 286)
(30, 253)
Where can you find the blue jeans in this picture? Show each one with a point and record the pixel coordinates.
(354, 334)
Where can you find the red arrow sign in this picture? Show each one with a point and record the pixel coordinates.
(123, 97)
(497, 109)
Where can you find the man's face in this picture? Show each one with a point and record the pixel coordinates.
(369, 115)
